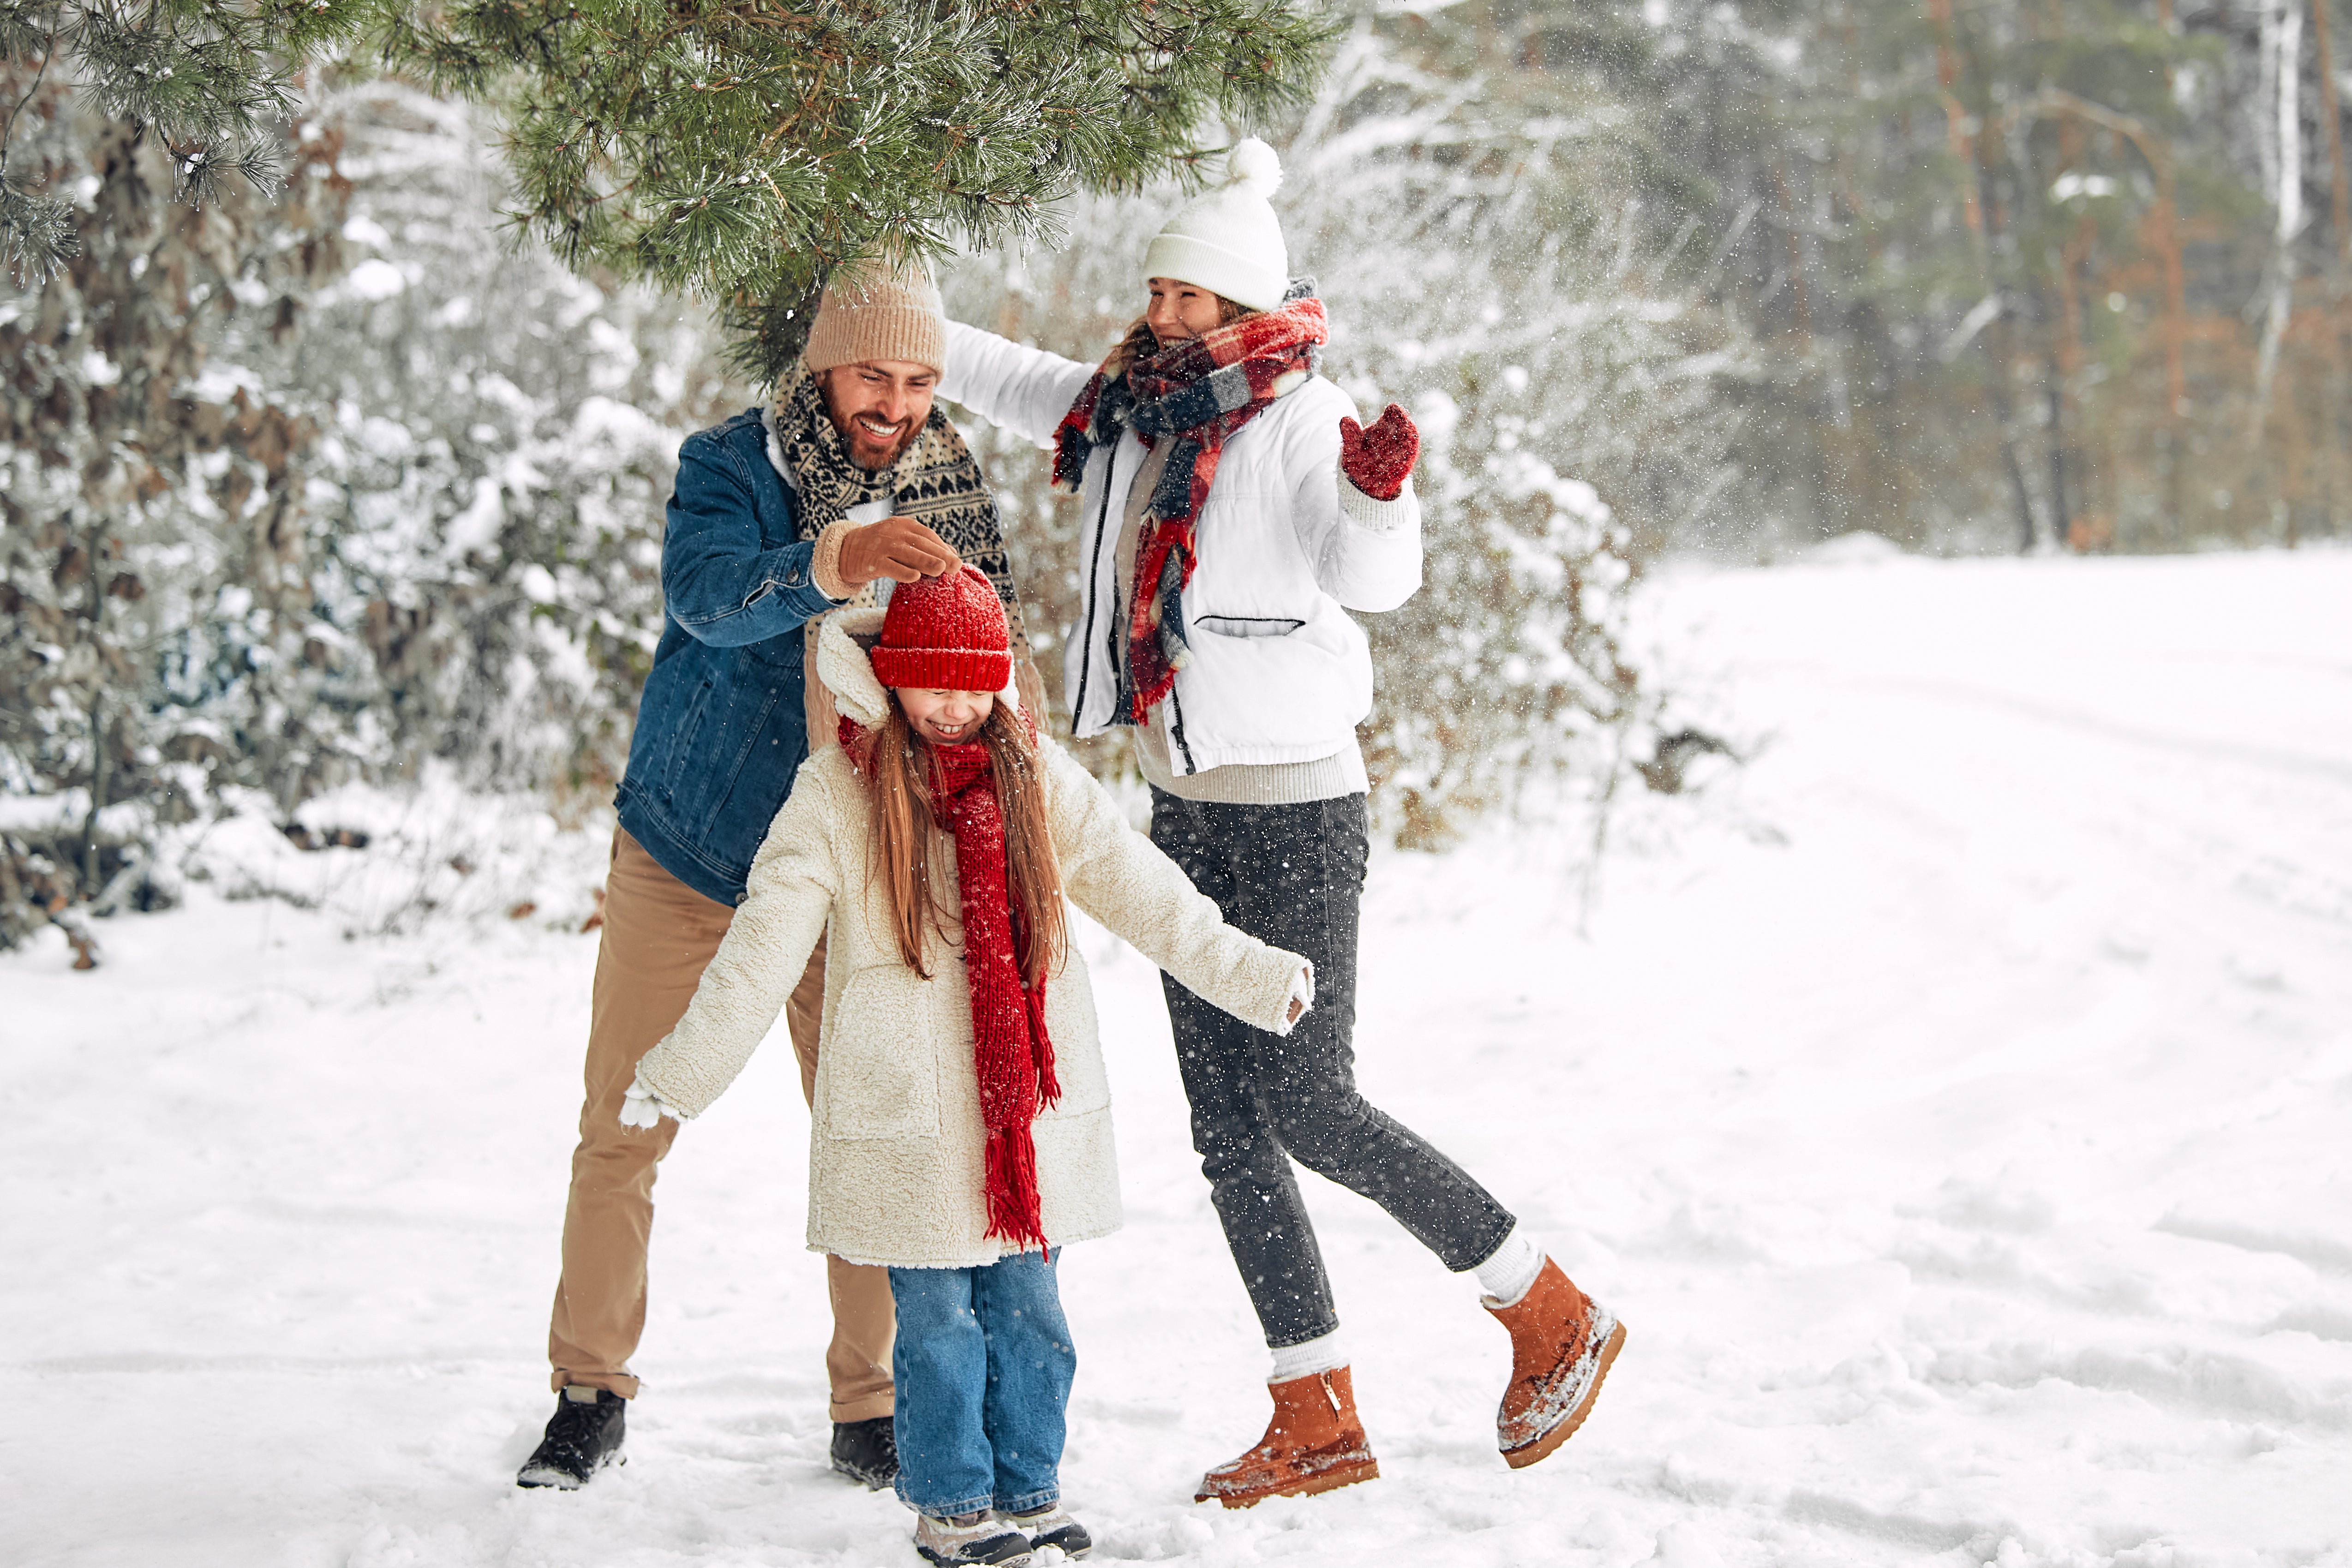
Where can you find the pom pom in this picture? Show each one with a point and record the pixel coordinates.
(1254, 167)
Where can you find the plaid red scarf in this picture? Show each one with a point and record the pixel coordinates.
(1011, 1058)
(1199, 392)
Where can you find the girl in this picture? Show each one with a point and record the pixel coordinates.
(962, 1130)
(1232, 512)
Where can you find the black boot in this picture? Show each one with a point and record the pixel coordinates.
(866, 1451)
(582, 1437)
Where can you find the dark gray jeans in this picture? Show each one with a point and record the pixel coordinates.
(1293, 876)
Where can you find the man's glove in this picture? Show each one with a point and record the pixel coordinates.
(641, 1106)
(898, 548)
(1378, 462)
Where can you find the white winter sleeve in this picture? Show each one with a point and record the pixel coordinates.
(1121, 878)
(1024, 390)
(1367, 553)
(794, 879)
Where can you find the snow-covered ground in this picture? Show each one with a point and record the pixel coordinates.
(1954, 1104)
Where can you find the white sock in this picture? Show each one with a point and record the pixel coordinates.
(1323, 1353)
(1513, 1269)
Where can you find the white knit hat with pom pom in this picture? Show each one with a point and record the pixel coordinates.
(1228, 239)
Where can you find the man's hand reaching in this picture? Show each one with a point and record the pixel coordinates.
(898, 548)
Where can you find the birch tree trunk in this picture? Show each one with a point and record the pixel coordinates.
(2282, 63)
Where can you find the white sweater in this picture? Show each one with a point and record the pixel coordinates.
(1288, 546)
(894, 1151)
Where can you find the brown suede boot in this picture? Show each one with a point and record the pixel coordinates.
(1315, 1443)
(1563, 1343)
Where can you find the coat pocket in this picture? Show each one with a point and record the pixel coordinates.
(878, 1072)
(682, 740)
(1249, 626)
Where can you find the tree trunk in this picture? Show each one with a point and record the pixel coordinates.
(2065, 369)
(2062, 520)
(98, 759)
(1999, 355)
(2329, 118)
(2166, 223)
(2283, 52)
(1978, 207)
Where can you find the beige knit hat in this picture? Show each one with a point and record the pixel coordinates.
(875, 312)
(1228, 239)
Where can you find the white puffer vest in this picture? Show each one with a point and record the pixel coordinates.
(1288, 546)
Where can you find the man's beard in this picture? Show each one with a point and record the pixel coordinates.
(857, 445)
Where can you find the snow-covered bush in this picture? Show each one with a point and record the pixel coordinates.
(307, 493)
(156, 615)
(382, 859)
(498, 443)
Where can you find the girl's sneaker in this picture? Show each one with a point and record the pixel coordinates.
(986, 1541)
(1052, 1526)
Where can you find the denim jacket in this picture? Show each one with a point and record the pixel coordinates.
(720, 729)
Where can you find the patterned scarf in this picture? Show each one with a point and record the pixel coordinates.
(935, 482)
(1199, 392)
(1013, 1058)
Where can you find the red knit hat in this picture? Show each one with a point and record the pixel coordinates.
(946, 633)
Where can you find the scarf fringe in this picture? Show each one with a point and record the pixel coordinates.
(1049, 1086)
(1013, 1209)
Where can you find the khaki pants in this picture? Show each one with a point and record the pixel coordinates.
(658, 935)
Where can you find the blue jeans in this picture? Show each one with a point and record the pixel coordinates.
(983, 1363)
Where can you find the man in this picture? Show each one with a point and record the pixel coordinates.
(849, 482)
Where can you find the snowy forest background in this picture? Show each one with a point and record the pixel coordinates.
(342, 485)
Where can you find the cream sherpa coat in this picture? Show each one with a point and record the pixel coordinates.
(895, 1151)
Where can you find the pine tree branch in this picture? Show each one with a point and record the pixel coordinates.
(36, 233)
(211, 79)
(15, 39)
(741, 148)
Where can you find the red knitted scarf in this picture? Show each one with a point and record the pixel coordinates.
(1012, 1059)
(1197, 392)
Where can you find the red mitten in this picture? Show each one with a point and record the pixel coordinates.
(1378, 460)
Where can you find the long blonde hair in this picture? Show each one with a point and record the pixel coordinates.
(898, 768)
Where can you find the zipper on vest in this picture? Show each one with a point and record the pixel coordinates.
(1176, 732)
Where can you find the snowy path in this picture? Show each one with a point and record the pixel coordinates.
(1955, 1106)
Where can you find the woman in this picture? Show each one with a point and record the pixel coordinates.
(1233, 512)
